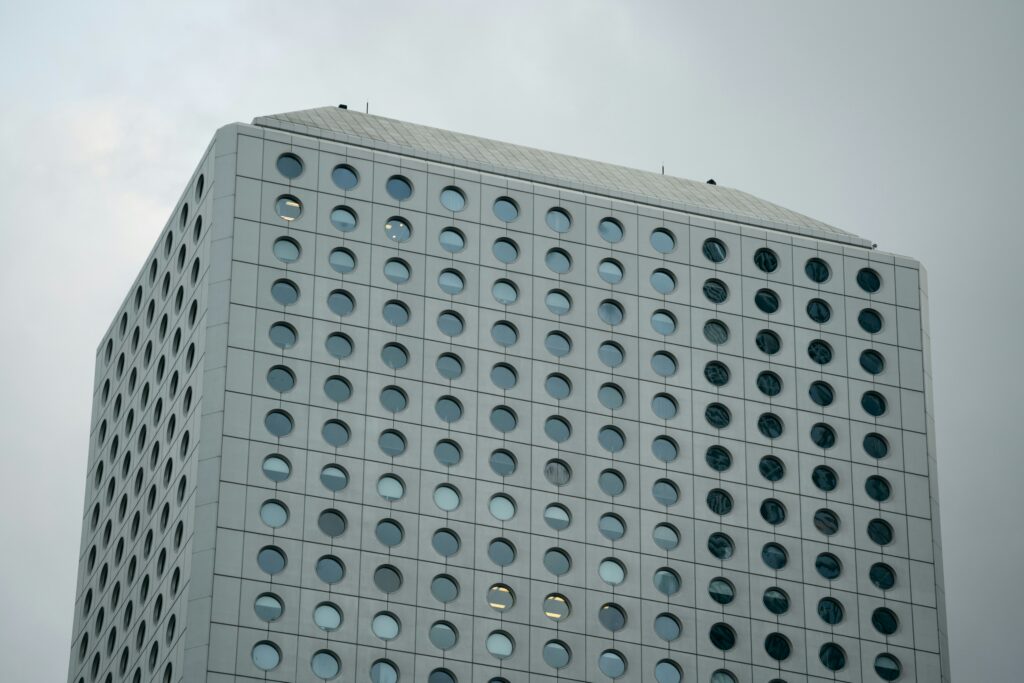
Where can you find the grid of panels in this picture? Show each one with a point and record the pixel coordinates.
(323, 272)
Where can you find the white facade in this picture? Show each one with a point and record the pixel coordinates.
(330, 320)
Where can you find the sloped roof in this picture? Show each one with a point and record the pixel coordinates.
(527, 163)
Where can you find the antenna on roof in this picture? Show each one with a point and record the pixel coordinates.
(711, 181)
(663, 169)
(367, 106)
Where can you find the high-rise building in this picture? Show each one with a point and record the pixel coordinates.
(391, 403)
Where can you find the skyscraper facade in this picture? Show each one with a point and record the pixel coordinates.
(389, 403)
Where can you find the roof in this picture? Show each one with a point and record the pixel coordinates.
(527, 163)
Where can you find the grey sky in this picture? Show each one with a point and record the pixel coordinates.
(899, 121)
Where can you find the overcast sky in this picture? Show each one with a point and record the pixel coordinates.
(899, 121)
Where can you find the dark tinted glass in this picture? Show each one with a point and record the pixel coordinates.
(873, 403)
(776, 600)
(872, 362)
(819, 311)
(771, 468)
(444, 588)
(882, 576)
(716, 332)
(447, 452)
(880, 531)
(718, 416)
(878, 488)
(774, 556)
(445, 542)
(556, 561)
(718, 458)
(823, 435)
(766, 260)
(826, 521)
(828, 565)
(821, 393)
(870, 320)
(832, 656)
(767, 301)
(770, 425)
(716, 291)
(876, 446)
(777, 646)
(817, 270)
(285, 292)
(820, 352)
(502, 463)
(885, 621)
(501, 552)
(330, 569)
(714, 250)
(722, 636)
(773, 511)
(768, 342)
(717, 373)
(769, 383)
(824, 478)
(336, 433)
(721, 546)
(389, 532)
(869, 280)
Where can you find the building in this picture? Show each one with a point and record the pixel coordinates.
(391, 403)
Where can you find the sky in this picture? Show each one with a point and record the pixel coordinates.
(900, 122)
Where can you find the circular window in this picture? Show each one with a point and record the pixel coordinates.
(271, 559)
(389, 532)
(832, 656)
(504, 333)
(771, 468)
(341, 303)
(447, 497)
(280, 378)
(388, 579)
(502, 462)
(443, 635)
(721, 591)
(876, 446)
(502, 507)
(610, 271)
(719, 502)
(452, 240)
(506, 209)
(612, 664)
(283, 335)
(774, 556)
(274, 514)
(768, 342)
(821, 393)
(504, 376)
(817, 270)
(557, 472)
(887, 667)
(265, 655)
(450, 323)
(665, 536)
(453, 199)
(870, 320)
(611, 483)
(878, 488)
(611, 396)
(664, 406)
(286, 250)
(332, 523)
(664, 449)
(391, 442)
(667, 581)
(345, 177)
(557, 344)
(721, 546)
(667, 627)
(819, 352)
(344, 219)
(882, 576)
(872, 361)
(444, 588)
(338, 345)
(451, 282)
(823, 435)
(397, 229)
(399, 187)
(714, 250)
(777, 646)
(557, 561)
(505, 292)
(556, 607)
(873, 403)
(611, 354)
(327, 616)
(869, 280)
(386, 626)
(663, 241)
(717, 415)
(278, 423)
(718, 458)
(330, 570)
(776, 600)
(828, 566)
(499, 644)
(716, 332)
(611, 572)
(717, 373)
(505, 250)
(667, 671)
(397, 271)
(767, 301)
(665, 492)
(276, 468)
(664, 364)
(558, 261)
(390, 488)
(500, 597)
(334, 478)
(448, 408)
(769, 384)
(383, 671)
(501, 552)
(766, 260)
(610, 230)
(268, 607)
(819, 311)
(825, 478)
(885, 621)
(447, 452)
(325, 665)
(880, 531)
(557, 517)
(663, 322)
(722, 636)
(557, 429)
(663, 281)
(826, 521)
(445, 542)
(773, 511)
(558, 220)
(288, 207)
(336, 433)
(558, 302)
(285, 292)
(716, 291)
(612, 617)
